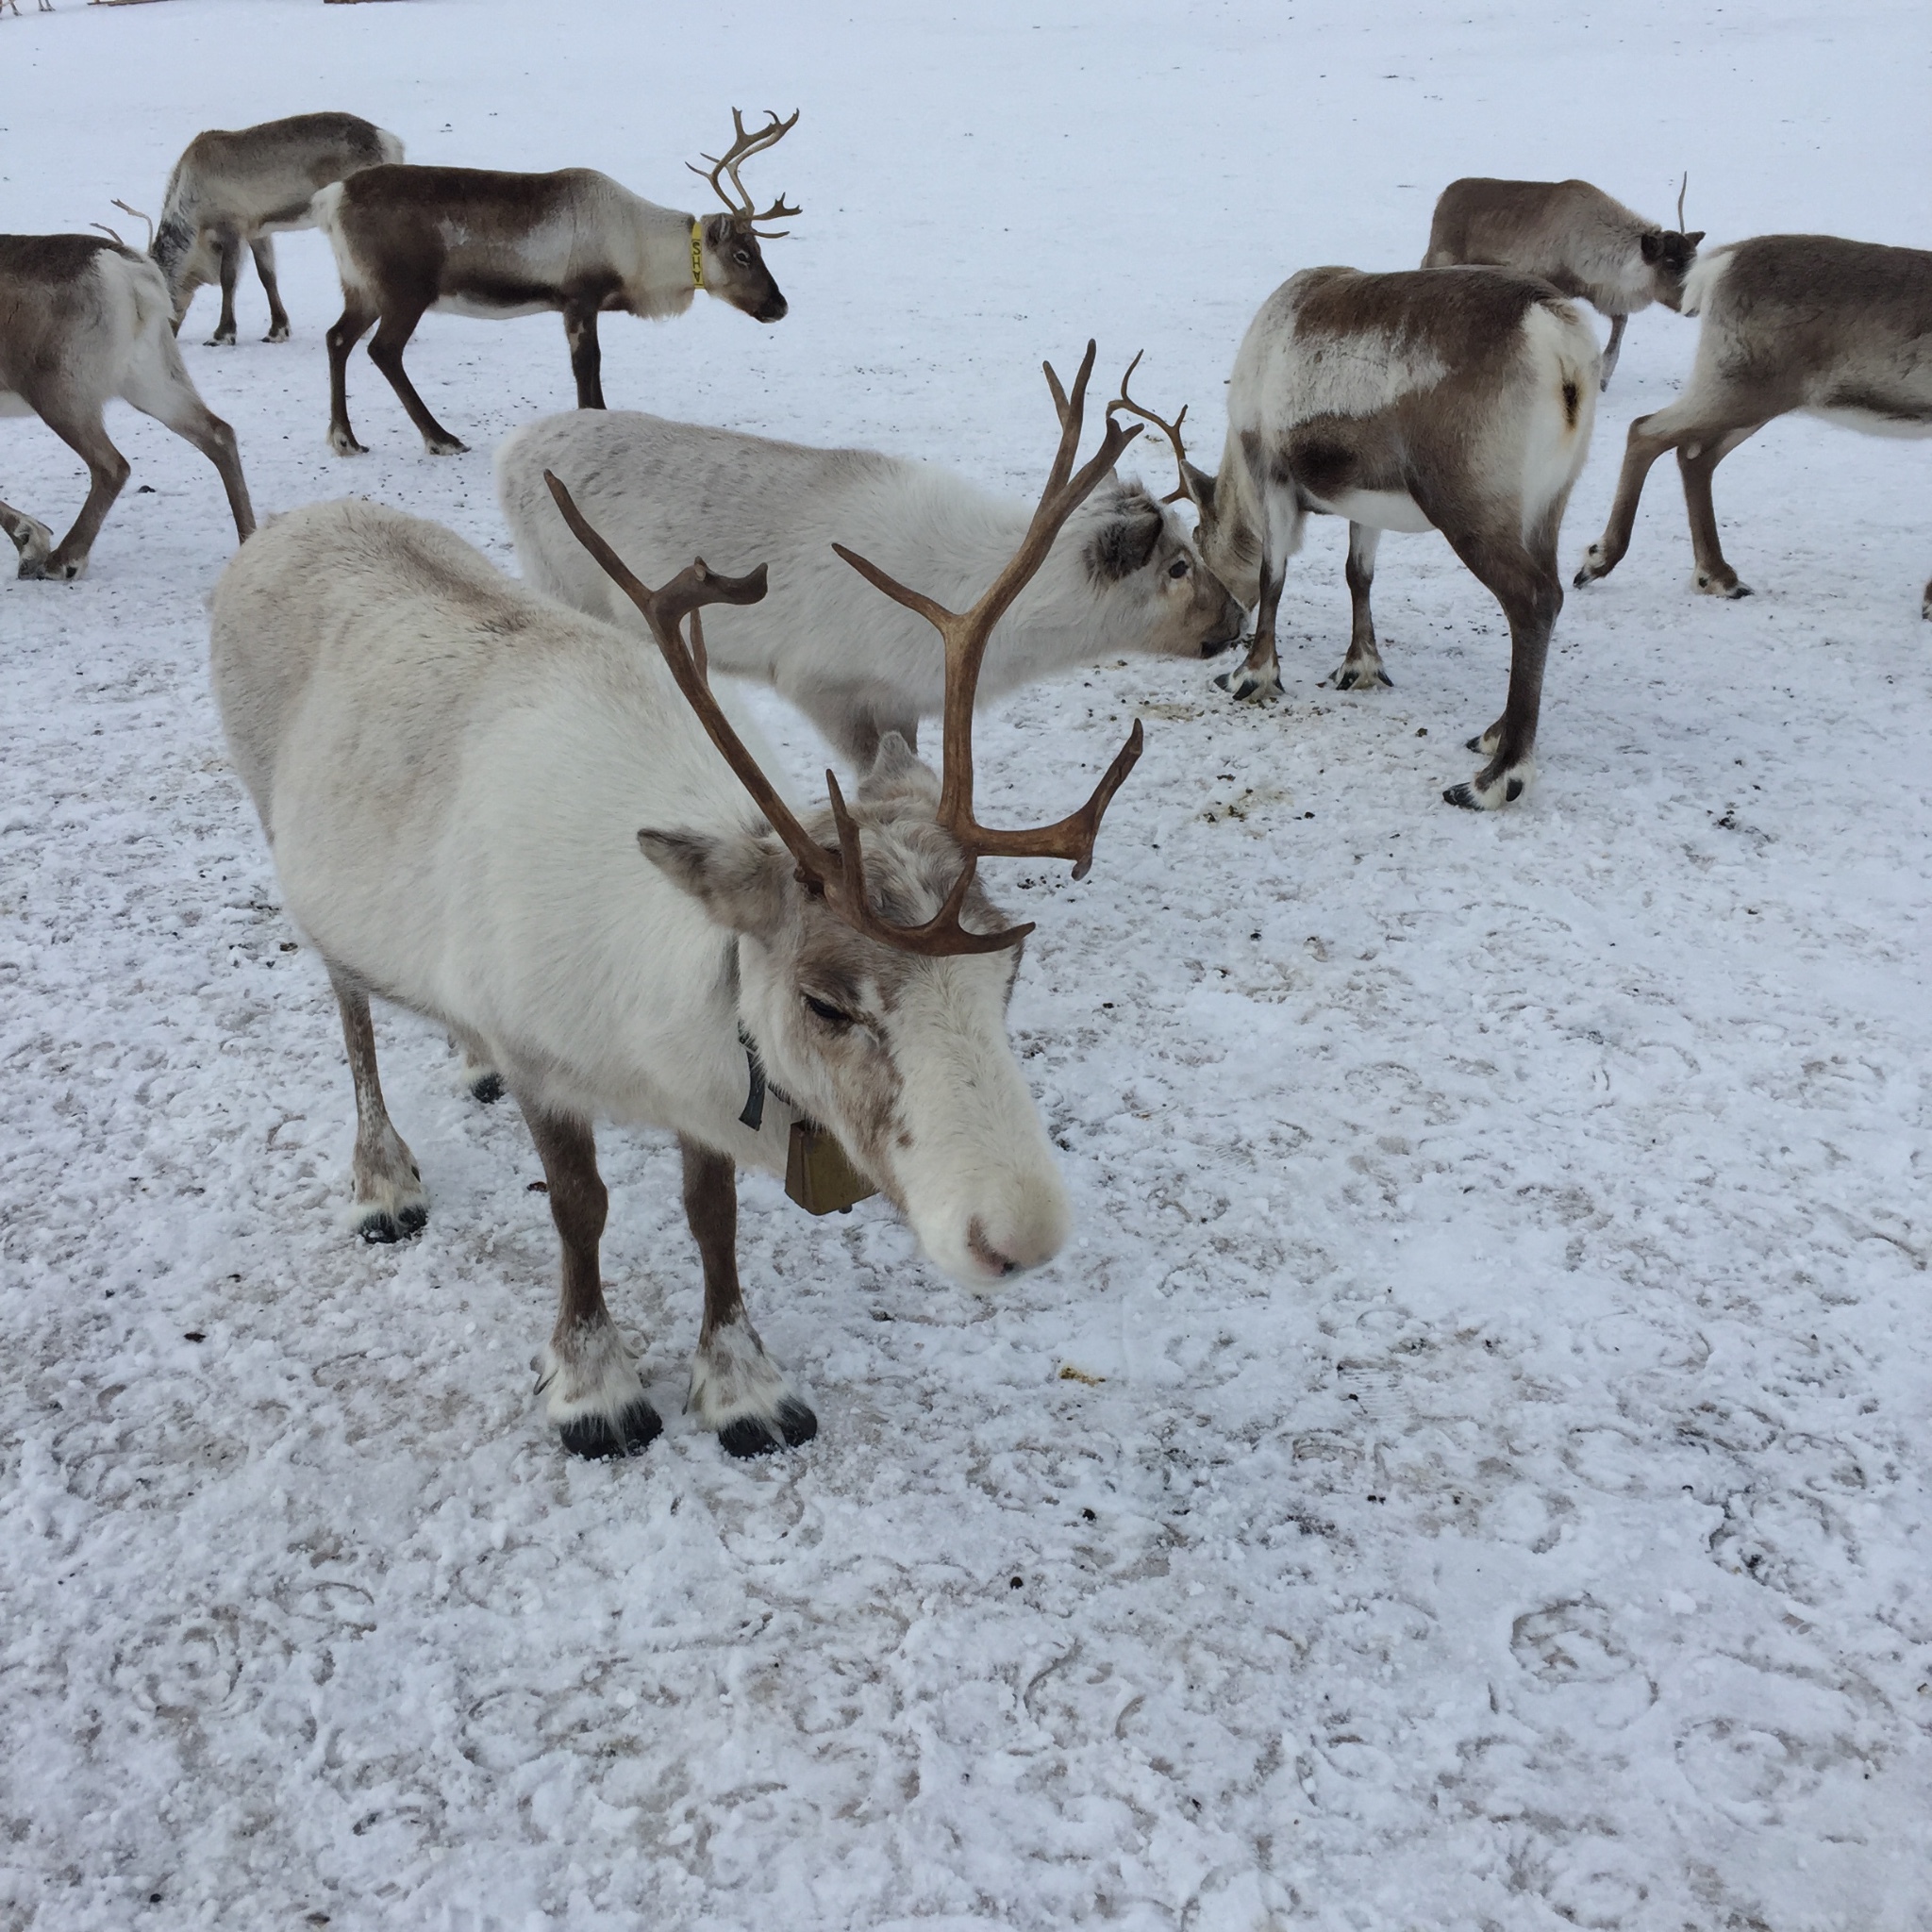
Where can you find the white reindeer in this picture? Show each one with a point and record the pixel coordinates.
(1122, 576)
(83, 321)
(1836, 329)
(1454, 399)
(1575, 237)
(456, 776)
(237, 188)
(475, 242)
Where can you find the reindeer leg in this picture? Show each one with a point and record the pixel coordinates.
(263, 250)
(391, 337)
(1260, 675)
(1650, 437)
(736, 1388)
(31, 537)
(1361, 670)
(590, 1382)
(479, 1069)
(349, 329)
(1525, 579)
(586, 357)
(1612, 349)
(158, 384)
(107, 473)
(228, 252)
(1695, 463)
(391, 1200)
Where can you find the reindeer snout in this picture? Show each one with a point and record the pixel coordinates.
(773, 311)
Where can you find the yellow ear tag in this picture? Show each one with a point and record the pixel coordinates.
(818, 1177)
(697, 253)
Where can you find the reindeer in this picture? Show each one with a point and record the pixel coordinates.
(83, 321)
(452, 772)
(1124, 574)
(1575, 237)
(1838, 329)
(408, 240)
(238, 188)
(1460, 400)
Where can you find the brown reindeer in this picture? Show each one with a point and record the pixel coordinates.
(1575, 237)
(475, 242)
(1454, 399)
(83, 321)
(1836, 329)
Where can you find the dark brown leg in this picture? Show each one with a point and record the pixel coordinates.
(386, 348)
(1260, 675)
(31, 537)
(263, 250)
(1695, 463)
(390, 1199)
(229, 250)
(349, 330)
(107, 473)
(586, 357)
(1650, 437)
(1361, 670)
(1526, 582)
(593, 1393)
(1612, 349)
(734, 1385)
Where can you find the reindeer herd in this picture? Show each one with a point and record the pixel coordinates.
(490, 801)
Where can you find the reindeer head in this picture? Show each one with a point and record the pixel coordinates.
(1667, 253)
(1229, 532)
(734, 264)
(1153, 591)
(878, 1009)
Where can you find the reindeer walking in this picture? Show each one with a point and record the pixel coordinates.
(587, 873)
(1455, 399)
(236, 189)
(1838, 329)
(475, 242)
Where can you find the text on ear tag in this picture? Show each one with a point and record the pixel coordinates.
(818, 1176)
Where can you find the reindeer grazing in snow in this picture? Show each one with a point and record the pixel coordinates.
(410, 240)
(1836, 329)
(1452, 399)
(1575, 237)
(235, 189)
(83, 321)
(1123, 575)
(452, 773)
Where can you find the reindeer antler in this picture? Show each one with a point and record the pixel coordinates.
(966, 634)
(743, 147)
(837, 877)
(1681, 185)
(1171, 430)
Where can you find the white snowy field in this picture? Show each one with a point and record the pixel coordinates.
(1494, 1492)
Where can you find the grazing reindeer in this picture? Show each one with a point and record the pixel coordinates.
(83, 321)
(1122, 576)
(1838, 329)
(452, 772)
(1458, 399)
(236, 189)
(45, 6)
(1575, 237)
(409, 239)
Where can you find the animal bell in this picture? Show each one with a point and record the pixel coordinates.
(818, 1177)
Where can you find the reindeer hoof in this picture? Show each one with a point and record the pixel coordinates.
(1476, 796)
(278, 334)
(445, 446)
(53, 570)
(792, 1424)
(382, 1225)
(344, 445)
(35, 542)
(1717, 587)
(1591, 569)
(1361, 678)
(600, 1437)
(220, 341)
(1245, 684)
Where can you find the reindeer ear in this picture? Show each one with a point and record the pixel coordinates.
(742, 880)
(897, 771)
(1693, 238)
(1124, 543)
(1652, 246)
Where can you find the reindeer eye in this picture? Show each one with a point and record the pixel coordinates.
(1178, 567)
(830, 1014)
(741, 256)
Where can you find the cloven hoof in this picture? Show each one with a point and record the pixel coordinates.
(385, 1227)
(757, 1434)
(599, 1438)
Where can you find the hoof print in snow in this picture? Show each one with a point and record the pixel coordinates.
(757, 1434)
(398, 1225)
(600, 1437)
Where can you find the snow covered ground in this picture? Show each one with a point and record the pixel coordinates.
(1494, 1489)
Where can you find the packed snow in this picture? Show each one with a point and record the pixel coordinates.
(1469, 1469)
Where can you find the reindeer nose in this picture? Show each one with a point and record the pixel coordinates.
(984, 1253)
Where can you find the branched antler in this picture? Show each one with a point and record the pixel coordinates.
(1171, 430)
(966, 635)
(743, 147)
